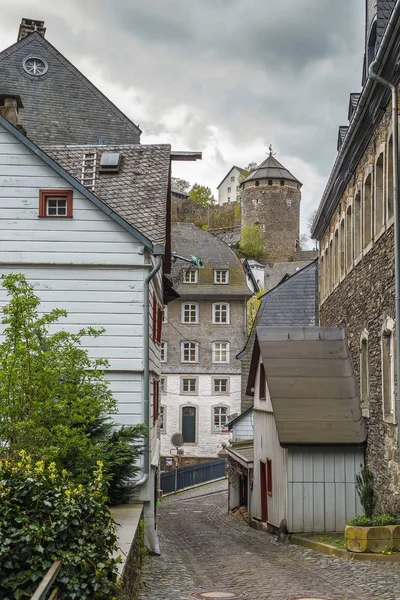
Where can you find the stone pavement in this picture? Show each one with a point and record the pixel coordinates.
(204, 549)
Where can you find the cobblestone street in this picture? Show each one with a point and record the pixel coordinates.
(204, 550)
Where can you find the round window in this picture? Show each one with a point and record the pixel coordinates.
(34, 65)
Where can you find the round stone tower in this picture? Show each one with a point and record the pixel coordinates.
(271, 199)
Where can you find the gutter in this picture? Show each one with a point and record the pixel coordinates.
(322, 219)
(146, 372)
(395, 138)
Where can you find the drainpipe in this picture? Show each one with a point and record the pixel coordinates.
(146, 372)
(395, 137)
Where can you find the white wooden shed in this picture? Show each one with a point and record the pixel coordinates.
(309, 433)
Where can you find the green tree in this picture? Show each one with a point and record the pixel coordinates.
(366, 491)
(252, 242)
(202, 194)
(55, 402)
(180, 184)
(252, 309)
(246, 172)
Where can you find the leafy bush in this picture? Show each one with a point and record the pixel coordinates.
(55, 402)
(365, 490)
(45, 517)
(378, 520)
(252, 242)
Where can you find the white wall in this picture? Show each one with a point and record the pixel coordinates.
(209, 443)
(243, 429)
(223, 193)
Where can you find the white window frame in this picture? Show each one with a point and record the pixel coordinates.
(215, 350)
(162, 418)
(196, 348)
(218, 429)
(196, 310)
(220, 392)
(57, 206)
(232, 178)
(388, 395)
(165, 315)
(189, 392)
(220, 310)
(217, 275)
(190, 272)
(164, 352)
(163, 378)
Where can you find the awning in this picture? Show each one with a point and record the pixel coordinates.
(312, 385)
(244, 454)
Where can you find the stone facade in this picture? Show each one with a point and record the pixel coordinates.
(276, 209)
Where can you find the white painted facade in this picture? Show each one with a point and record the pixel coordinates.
(208, 440)
(88, 265)
(243, 428)
(228, 189)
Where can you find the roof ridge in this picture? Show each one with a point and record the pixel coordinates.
(74, 70)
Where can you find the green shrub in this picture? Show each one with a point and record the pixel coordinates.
(378, 520)
(55, 402)
(45, 517)
(252, 242)
(365, 490)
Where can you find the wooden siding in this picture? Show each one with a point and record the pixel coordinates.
(322, 490)
(243, 429)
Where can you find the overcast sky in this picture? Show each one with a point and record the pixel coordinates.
(227, 77)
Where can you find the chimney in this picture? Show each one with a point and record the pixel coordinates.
(9, 109)
(28, 26)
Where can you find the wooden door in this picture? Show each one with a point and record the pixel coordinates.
(189, 424)
(263, 489)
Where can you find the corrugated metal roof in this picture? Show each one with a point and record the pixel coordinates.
(270, 168)
(244, 454)
(312, 385)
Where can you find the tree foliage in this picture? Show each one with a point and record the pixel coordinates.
(46, 517)
(252, 309)
(366, 491)
(252, 242)
(181, 185)
(55, 402)
(202, 194)
(246, 172)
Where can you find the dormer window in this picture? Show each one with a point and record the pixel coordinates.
(55, 204)
(221, 276)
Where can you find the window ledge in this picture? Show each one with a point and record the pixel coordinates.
(390, 222)
(368, 248)
(379, 234)
(358, 259)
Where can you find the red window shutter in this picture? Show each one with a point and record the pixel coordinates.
(156, 400)
(159, 324)
(154, 317)
(269, 476)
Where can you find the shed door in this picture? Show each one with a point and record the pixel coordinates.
(263, 486)
(189, 424)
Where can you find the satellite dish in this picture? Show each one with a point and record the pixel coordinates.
(177, 440)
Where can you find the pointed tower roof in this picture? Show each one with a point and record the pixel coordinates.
(271, 169)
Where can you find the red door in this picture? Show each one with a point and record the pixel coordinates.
(263, 485)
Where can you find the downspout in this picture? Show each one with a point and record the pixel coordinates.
(395, 137)
(146, 371)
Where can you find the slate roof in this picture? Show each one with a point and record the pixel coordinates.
(230, 237)
(270, 168)
(62, 106)
(341, 135)
(275, 274)
(385, 9)
(189, 240)
(354, 98)
(138, 192)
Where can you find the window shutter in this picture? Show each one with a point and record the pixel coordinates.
(269, 476)
(154, 318)
(262, 382)
(159, 324)
(156, 399)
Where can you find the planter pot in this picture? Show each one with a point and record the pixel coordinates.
(372, 539)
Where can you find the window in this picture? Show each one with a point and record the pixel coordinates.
(269, 476)
(190, 276)
(379, 199)
(165, 314)
(220, 417)
(229, 190)
(342, 249)
(162, 419)
(220, 352)
(190, 313)
(269, 181)
(237, 189)
(34, 65)
(163, 351)
(220, 385)
(282, 183)
(349, 253)
(233, 178)
(387, 349)
(156, 399)
(190, 352)
(189, 385)
(157, 320)
(257, 183)
(336, 257)
(389, 163)
(364, 373)
(229, 198)
(367, 212)
(357, 225)
(221, 314)
(188, 424)
(55, 203)
(163, 385)
(221, 276)
(262, 387)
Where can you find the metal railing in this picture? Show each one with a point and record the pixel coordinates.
(178, 479)
(46, 585)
